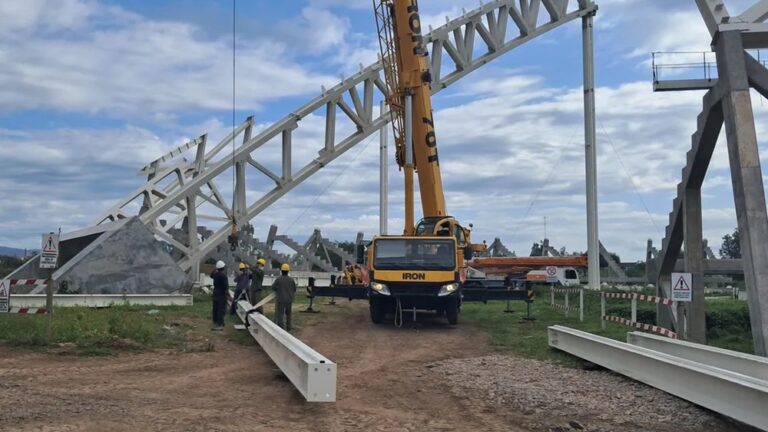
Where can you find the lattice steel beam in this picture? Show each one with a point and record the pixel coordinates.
(178, 187)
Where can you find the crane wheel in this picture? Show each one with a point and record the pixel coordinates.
(452, 311)
(376, 307)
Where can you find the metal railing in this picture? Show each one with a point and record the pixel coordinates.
(684, 65)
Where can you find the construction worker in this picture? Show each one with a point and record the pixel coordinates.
(257, 280)
(242, 280)
(220, 287)
(285, 288)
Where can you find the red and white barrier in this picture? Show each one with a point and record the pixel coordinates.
(634, 297)
(642, 326)
(28, 281)
(28, 311)
(641, 297)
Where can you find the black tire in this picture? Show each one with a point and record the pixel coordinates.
(440, 312)
(376, 306)
(452, 311)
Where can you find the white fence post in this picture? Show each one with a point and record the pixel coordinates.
(634, 310)
(551, 296)
(602, 310)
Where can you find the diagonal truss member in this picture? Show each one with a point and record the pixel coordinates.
(176, 188)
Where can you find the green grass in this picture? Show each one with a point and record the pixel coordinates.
(726, 323)
(89, 331)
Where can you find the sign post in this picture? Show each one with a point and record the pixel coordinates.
(681, 287)
(49, 256)
(5, 295)
(552, 274)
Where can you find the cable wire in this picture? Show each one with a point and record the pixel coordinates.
(331, 183)
(234, 106)
(629, 177)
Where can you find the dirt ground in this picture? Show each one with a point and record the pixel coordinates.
(383, 385)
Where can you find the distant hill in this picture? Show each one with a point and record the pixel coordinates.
(7, 251)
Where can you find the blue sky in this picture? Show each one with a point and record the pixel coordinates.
(91, 91)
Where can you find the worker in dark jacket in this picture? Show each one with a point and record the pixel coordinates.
(257, 281)
(242, 282)
(220, 287)
(285, 288)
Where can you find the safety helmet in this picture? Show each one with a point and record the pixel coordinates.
(243, 266)
(220, 265)
(285, 267)
(261, 261)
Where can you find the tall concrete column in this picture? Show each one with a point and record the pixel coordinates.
(694, 264)
(747, 179)
(593, 248)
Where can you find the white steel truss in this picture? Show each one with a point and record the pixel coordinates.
(176, 188)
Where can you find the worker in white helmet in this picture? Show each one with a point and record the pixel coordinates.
(220, 287)
(285, 288)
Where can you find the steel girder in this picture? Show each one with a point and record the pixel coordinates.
(175, 187)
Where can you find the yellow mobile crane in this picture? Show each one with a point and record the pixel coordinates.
(420, 269)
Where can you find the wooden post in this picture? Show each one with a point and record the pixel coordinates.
(581, 304)
(566, 304)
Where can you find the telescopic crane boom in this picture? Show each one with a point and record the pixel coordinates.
(407, 75)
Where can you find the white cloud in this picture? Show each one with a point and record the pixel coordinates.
(136, 66)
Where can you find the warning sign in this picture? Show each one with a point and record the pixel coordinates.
(552, 274)
(49, 251)
(5, 295)
(681, 287)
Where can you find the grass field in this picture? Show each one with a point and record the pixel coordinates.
(727, 323)
(133, 328)
(91, 331)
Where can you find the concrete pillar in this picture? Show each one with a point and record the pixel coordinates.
(593, 252)
(747, 179)
(694, 264)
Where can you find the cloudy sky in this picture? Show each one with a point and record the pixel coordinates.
(92, 90)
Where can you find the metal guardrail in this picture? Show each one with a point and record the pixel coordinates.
(100, 300)
(745, 364)
(313, 375)
(732, 394)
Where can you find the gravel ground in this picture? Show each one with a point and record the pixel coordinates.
(557, 398)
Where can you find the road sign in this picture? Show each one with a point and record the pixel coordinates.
(681, 287)
(49, 251)
(552, 274)
(5, 295)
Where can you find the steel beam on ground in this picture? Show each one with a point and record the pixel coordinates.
(745, 364)
(313, 375)
(734, 395)
(102, 300)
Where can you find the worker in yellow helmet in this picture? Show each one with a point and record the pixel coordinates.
(285, 288)
(257, 280)
(242, 281)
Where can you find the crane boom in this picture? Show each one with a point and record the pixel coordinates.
(407, 73)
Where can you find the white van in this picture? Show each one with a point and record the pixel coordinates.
(566, 276)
